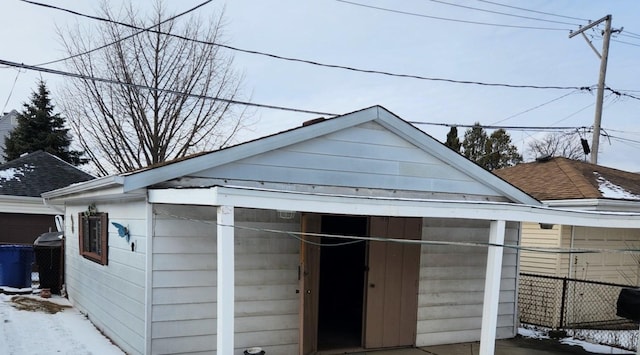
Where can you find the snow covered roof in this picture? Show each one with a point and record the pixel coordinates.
(38, 172)
(564, 179)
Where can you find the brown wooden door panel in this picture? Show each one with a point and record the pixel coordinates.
(392, 295)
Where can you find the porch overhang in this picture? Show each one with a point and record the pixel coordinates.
(226, 198)
(383, 206)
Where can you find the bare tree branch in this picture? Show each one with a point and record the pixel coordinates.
(124, 127)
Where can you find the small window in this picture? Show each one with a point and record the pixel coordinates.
(93, 236)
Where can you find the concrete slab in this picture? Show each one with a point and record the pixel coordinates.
(515, 346)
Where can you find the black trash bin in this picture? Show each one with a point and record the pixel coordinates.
(49, 258)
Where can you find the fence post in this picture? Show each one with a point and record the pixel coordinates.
(563, 301)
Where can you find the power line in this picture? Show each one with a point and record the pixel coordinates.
(502, 13)
(627, 43)
(534, 11)
(13, 86)
(204, 97)
(335, 66)
(301, 237)
(126, 37)
(514, 128)
(535, 107)
(619, 93)
(450, 19)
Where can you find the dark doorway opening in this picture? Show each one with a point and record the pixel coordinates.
(342, 279)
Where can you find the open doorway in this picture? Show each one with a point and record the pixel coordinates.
(342, 283)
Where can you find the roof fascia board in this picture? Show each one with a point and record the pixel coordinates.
(417, 137)
(374, 206)
(82, 187)
(593, 202)
(24, 205)
(241, 151)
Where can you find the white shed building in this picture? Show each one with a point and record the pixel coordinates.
(219, 252)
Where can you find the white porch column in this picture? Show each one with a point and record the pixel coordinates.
(225, 284)
(492, 289)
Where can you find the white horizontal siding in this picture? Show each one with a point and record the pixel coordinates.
(184, 282)
(112, 296)
(366, 156)
(452, 280)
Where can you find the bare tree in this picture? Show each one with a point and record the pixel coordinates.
(566, 145)
(127, 127)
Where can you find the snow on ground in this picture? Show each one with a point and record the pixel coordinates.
(37, 332)
(590, 347)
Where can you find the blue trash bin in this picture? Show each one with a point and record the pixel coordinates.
(15, 265)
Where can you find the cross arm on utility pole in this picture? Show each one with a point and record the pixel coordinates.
(606, 35)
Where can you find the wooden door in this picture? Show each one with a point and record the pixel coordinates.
(309, 284)
(392, 283)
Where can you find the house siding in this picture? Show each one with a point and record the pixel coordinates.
(184, 281)
(112, 296)
(536, 262)
(605, 267)
(365, 156)
(451, 294)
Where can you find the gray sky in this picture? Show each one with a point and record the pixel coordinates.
(334, 32)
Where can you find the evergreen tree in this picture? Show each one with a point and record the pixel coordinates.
(39, 128)
(500, 153)
(493, 151)
(453, 141)
(474, 143)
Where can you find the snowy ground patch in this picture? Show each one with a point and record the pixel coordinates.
(541, 333)
(32, 325)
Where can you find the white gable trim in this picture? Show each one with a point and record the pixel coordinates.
(377, 206)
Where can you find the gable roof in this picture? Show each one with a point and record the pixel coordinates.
(560, 178)
(38, 172)
(376, 115)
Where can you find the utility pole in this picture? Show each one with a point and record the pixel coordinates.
(606, 35)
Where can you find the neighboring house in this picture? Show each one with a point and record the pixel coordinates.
(23, 215)
(571, 184)
(221, 251)
(8, 121)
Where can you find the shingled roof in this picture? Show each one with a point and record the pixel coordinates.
(38, 172)
(562, 179)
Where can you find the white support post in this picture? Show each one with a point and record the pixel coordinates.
(492, 289)
(226, 284)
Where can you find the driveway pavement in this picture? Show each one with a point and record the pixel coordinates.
(515, 346)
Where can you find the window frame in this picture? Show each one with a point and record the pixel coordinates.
(102, 217)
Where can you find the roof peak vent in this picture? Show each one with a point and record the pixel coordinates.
(313, 121)
(544, 158)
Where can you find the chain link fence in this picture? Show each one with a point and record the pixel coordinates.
(585, 309)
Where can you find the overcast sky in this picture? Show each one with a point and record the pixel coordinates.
(335, 32)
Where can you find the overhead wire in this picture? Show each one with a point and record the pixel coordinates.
(126, 37)
(449, 19)
(302, 236)
(311, 62)
(13, 86)
(513, 128)
(534, 11)
(535, 107)
(502, 13)
(110, 81)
